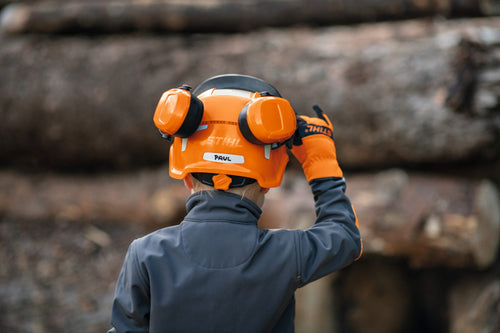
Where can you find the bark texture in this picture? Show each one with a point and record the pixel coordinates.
(432, 221)
(409, 93)
(148, 198)
(219, 15)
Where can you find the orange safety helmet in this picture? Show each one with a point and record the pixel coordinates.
(232, 130)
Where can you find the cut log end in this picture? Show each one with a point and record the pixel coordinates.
(487, 237)
(431, 221)
(14, 19)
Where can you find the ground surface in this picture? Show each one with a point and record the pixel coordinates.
(59, 276)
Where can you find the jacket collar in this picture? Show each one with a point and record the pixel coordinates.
(221, 206)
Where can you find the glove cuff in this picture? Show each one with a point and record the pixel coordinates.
(321, 168)
(318, 157)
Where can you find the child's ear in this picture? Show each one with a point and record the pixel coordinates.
(188, 182)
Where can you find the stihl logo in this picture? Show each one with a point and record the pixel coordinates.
(224, 158)
(222, 141)
(315, 129)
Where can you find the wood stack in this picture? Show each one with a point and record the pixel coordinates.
(415, 104)
(402, 94)
(219, 15)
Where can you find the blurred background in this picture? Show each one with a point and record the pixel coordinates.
(412, 87)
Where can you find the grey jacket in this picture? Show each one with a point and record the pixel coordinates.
(218, 272)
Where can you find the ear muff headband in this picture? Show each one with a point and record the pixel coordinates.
(267, 120)
(236, 81)
(264, 120)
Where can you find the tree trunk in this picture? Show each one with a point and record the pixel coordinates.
(219, 15)
(147, 198)
(431, 220)
(410, 93)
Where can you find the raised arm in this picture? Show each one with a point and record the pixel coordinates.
(334, 240)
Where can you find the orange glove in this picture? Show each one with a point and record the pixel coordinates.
(314, 148)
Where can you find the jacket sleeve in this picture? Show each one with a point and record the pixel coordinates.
(333, 242)
(131, 304)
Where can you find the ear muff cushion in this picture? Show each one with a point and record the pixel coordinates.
(193, 118)
(245, 129)
(267, 120)
(178, 113)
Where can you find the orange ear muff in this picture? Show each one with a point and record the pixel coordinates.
(267, 120)
(178, 113)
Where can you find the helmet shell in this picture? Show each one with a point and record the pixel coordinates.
(218, 145)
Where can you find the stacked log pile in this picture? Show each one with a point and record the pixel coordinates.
(416, 108)
(220, 15)
(401, 94)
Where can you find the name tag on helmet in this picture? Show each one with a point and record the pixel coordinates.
(224, 158)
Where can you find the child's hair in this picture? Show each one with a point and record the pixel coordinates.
(251, 191)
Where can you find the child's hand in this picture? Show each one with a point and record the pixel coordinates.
(314, 148)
